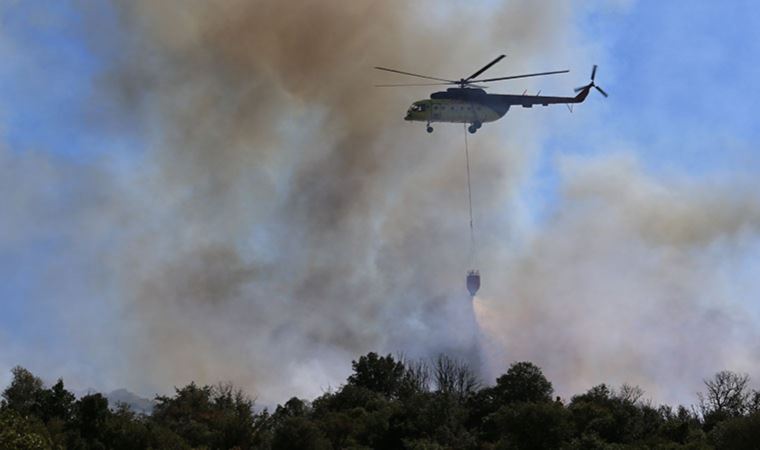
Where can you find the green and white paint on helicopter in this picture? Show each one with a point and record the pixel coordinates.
(470, 104)
(476, 107)
(453, 111)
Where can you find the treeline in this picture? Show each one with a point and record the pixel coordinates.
(388, 403)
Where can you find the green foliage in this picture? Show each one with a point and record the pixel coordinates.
(530, 425)
(681, 427)
(523, 382)
(454, 377)
(90, 416)
(205, 416)
(598, 412)
(54, 403)
(727, 395)
(23, 393)
(22, 433)
(125, 430)
(299, 433)
(386, 404)
(380, 374)
(439, 416)
(737, 433)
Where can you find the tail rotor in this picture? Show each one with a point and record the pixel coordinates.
(592, 84)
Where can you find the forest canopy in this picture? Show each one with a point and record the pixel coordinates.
(387, 403)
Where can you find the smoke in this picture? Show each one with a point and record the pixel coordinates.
(634, 279)
(279, 218)
(287, 219)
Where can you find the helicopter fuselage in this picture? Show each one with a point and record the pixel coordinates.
(469, 103)
(457, 105)
(476, 107)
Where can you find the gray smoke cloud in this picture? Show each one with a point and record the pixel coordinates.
(282, 219)
(290, 220)
(635, 279)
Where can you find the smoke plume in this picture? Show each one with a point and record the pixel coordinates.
(279, 218)
(289, 220)
(634, 280)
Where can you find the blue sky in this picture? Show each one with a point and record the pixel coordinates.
(47, 112)
(682, 77)
(686, 84)
(683, 83)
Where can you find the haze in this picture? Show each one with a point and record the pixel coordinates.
(215, 191)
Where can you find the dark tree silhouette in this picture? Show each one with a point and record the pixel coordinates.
(24, 391)
(727, 393)
(454, 377)
(381, 374)
(523, 382)
(387, 404)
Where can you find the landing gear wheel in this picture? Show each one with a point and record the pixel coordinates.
(472, 129)
(429, 129)
(477, 125)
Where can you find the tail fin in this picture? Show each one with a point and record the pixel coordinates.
(582, 94)
(584, 90)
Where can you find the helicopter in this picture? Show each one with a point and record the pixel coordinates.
(470, 104)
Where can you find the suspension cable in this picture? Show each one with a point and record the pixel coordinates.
(469, 196)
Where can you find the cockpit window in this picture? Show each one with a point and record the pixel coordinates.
(418, 108)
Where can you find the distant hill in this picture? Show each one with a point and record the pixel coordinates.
(137, 403)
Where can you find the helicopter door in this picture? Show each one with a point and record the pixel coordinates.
(435, 111)
(427, 109)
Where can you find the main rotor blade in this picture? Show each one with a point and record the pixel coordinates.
(593, 73)
(601, 91)
(414, 84)
(486, 67)
(519, 76)
(413, 74)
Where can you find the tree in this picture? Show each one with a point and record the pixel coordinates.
(682, 426)
(530, 425)
(380, 374)
(727, 395)
(22, 433)
(387, 403)
(614, 418)
(454, 377)
(753, 406)
(55, 402)
(523, 382)
(737, 433)
(416, 379)
(187, 413)
(90, 416)
(125, 430)
(22, 395)
(215, 417)
(440, 416)
(299, 433)
(295, 407)
(629, 393)
(233, 417)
